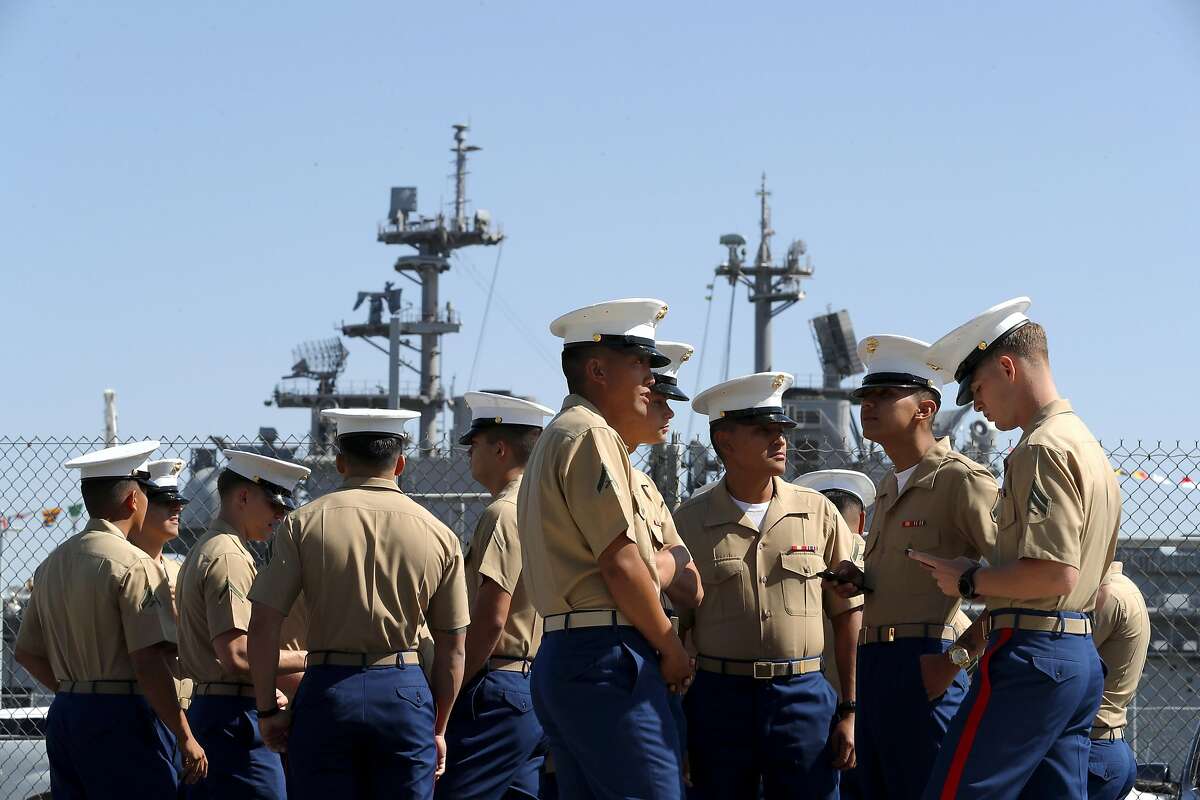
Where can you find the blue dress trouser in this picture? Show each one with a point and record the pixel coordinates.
(109, 746)
(898, 731)
(1112, 769)
(362, 734)
(602, 701)
(1023, 730)
(493, 740)
(743, 731)
(239, 763)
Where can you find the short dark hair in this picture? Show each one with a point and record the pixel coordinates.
(574, 359)
(1027, 341)
(844, 501)
(520, 439)
(103, 498)
(374, 451)
(229, 482)
(929, 394)
(716, 427)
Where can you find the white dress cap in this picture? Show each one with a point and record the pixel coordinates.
(617, 323)
(121, 461)
(164, 478)
(961, 350)
(489, 410)
(278, 477)
(383, 421)
(666, 379)
(753, 397)
(898, 361)
(843, 480)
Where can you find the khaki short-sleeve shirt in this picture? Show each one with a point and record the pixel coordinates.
(1060, 502)
(762, 587)
(945, 510)
(1122, 636)
(183, 684)
(373, 566)
(575, 499)
(213, 595)
(650, 511)
(96, 598)
(495, 554)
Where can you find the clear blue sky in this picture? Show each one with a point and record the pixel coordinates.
(187, 191)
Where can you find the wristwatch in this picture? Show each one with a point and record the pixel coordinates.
(959, 656)
(966, 582)
(846, 708)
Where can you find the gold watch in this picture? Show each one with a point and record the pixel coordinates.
(959, 656)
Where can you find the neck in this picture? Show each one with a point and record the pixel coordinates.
(907, 452)
(608, 410)
(496, 486)
(749, 488)
(1040, 394)
(124, 525)
(232, 521)
(385, 474)
(152, 546)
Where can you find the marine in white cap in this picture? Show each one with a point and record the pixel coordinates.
(160, 527)
(609, 652)
(1023, 728)
(255, 492)
(911, 677)
(374, 567)
(98, 631)
(761, 544)
(494, 741)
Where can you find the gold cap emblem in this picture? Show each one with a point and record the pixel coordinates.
(982, 345)
(872, 345)
(933, 367)
(779, 381)
(177, 468)
(596, 337)
(499, 420)
(662, 312)
(686, 355)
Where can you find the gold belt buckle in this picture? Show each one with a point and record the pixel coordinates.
(890, 636)
(764, 669)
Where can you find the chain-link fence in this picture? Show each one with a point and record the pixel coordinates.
(40, 507)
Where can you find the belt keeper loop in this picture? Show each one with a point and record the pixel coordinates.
(613, 615)
(567, 621)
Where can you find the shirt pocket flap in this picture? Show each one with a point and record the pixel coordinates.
(806, 564)
(722, 571)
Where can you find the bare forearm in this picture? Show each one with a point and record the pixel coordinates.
(482, 637)
(1026, 579)
(845, 648)
(39, 668)
(449, 655)
(263, 650)
(154, 677)
(291, 661)
(633, 590)
(686, 591)
(665, 563)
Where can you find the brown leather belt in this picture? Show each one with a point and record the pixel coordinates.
(100, 687)
(1106, 734)
(222, 689)
(906, 630)
(509, 664)
(762, 670)
(1076, 626)
(335, 658)
(590, 618)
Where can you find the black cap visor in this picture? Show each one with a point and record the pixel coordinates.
(895, 380)
(658, 359)
(668, 387)
(754, 416)
(165, 495)
(480, 425)
(967, 368)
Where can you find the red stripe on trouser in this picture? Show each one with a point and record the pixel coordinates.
(959, 762)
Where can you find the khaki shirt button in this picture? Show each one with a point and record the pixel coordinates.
(766, 614)
(762, 579)
(762, 545)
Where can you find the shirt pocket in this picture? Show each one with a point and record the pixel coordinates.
(1008, 529)
(801, 584)
(724, 592)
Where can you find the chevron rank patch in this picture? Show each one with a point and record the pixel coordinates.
(150, 600)
(1039, 502)
(605, 480)
(234, 591)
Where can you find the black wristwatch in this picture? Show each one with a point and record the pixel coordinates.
(966, 583)
(270, 712)
(846, 709)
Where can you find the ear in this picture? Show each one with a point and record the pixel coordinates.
(926, 409)
(596, 370)
(130, 503)
(500, 448)
(401, 461)
(339, 462)
(1009, 365)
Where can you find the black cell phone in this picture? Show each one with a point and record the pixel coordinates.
(829, 575)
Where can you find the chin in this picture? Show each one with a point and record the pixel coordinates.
(777, 468)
